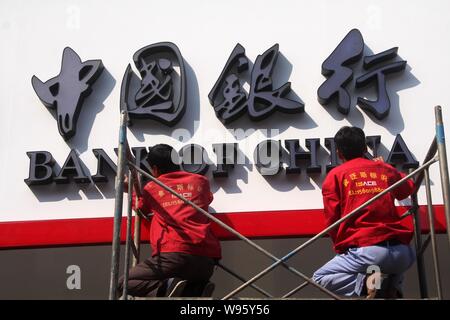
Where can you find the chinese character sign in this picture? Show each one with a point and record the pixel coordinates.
(160, 93)
(375, 67)
(229, 99)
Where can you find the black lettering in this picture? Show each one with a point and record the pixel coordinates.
(331, 146)
(72, 168)
(373, 142)
(103, 162)
(226, 158)
(400, 154)
(41, 168)
(297, 153)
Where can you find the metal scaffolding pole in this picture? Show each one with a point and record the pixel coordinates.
(443, 165)
(437, 275)
(420, 263)
(137, 239)
(295, 290)
(136, 178)
(118, 206)
(128, 240)
(234, 274)
(137, 218)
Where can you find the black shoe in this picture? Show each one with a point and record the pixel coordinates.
(376, 285)
(386, 290)
(176, 288)
(208, 289)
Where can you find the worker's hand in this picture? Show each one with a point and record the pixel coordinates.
(125, 183)
(146, 216)
(378, 159)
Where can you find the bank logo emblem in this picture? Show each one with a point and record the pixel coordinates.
(160, 92)
(66, 92)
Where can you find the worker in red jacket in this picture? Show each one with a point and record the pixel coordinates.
(375, 239)
(182, 241)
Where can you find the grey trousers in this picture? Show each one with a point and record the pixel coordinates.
(146, 279)
(345, 273)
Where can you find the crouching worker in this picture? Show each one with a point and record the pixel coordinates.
(374, 240)
(183, 244)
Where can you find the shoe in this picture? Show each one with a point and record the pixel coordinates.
(208, 289)
(394, 293)
(175, 287)
(381, 286)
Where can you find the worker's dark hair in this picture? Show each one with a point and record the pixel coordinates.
(351, 142)
(164, 157)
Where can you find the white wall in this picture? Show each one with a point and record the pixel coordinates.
(33, 35)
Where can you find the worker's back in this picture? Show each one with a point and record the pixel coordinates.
(355, 182)
(176, 226)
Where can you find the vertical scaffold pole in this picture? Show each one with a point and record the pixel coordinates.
(137, 239)
(418, 245)
(118, 206)
(137, 223)
(443, 165)
(126, 271)
(437, 275)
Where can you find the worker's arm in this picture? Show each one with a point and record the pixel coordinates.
(210, 196)
(331, 203)
(405, 189)
(125, 183)
(142, 204)
(205, 197)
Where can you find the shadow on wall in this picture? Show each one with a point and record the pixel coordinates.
(238, 173)
(93, 105)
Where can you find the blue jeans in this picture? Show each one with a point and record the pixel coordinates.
(345, 273)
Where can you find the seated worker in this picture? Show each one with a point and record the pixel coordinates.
(183, 244)
(374, 237)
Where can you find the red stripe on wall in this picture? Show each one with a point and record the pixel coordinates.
(254, 225)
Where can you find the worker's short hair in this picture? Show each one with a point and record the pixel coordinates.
(164, 157)
(351, 142)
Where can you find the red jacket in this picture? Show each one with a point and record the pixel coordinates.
(176, 226)
(351, 184)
